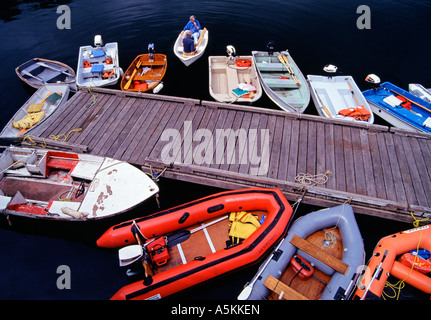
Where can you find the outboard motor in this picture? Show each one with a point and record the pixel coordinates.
(98, 42)
(373, 81)
(270, 46)
(330, 69)
(231, 53)
(151, 52)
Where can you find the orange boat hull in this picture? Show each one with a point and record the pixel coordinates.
(250, 251)
(395, 245)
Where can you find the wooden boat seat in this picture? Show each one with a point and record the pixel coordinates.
(280, 83)
(271, 67)
(283, 290)
(319, 254)
(158, 63)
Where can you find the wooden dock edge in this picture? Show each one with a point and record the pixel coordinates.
(317, 196)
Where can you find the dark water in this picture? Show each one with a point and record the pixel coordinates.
(316, 32)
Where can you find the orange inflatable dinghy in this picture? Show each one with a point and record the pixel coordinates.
(200, 241)
(383, 263)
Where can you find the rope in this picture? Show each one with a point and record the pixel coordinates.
(416, 221)
(397, 287)
(307, 179)
(330, 236)
(94, 95)
(28, 140)
(63, 137)
(32, 142)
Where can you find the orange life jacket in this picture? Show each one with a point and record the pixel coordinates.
(107, 74)
(359, 113)
(405, 104)
(87, 64)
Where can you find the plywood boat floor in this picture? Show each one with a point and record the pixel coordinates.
(312, 288)
(201, 243)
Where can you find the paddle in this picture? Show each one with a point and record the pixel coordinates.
(200, 39)
(138, 64)
(52, 68)
(351, 90)
(410, 100)
(245, 293)
(288, 68)
(324, 107)
(25, 72)
(291, 69)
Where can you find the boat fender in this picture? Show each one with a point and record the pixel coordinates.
(74, 213)
(158, 88)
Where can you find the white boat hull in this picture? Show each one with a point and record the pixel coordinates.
(57, 185)
(92, 76)
(225, 76)
(333, 94)
(189, 59)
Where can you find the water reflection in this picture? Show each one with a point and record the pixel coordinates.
(11, 9)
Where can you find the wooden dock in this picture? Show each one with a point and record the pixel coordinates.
(381, 171)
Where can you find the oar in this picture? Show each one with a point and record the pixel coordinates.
(284, 63)
(351, 90)
(33, 76)
(324, 107)
(410, 100)
(138, 64)
(245, 293)
(291, 69)
(200, 39)
(52, 68)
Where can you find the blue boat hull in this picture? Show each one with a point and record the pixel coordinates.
(414, 119)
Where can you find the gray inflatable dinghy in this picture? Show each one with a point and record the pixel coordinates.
(311, 262)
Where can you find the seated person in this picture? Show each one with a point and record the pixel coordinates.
(194, 27)
(188, 43)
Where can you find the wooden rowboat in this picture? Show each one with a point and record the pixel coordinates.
(144, 74)
(282, 80)
(47, 99)
(194, 242)
(188, 59)
(37, 72)
(55, 185)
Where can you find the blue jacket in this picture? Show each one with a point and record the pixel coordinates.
(191, 26)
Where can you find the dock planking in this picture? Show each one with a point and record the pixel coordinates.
(381, 171)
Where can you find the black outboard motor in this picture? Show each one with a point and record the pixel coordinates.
(270, 46)
(151, 51)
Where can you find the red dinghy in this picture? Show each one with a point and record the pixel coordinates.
(200, 240)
